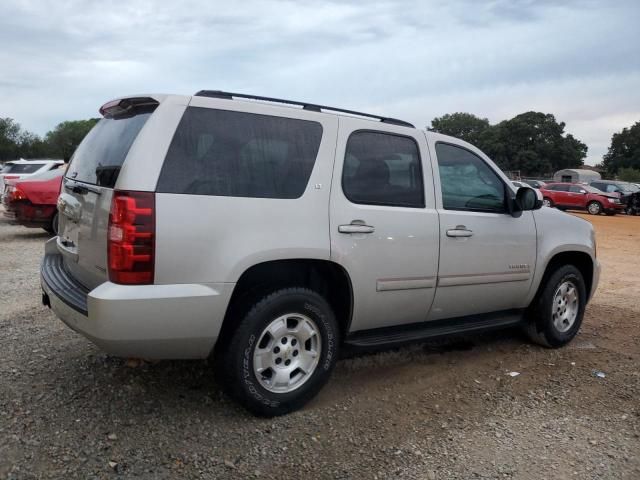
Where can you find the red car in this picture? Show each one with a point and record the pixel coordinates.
(32, 202)
(580, 197)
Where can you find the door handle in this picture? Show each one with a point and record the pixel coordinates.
(459, 231)
(357, 226)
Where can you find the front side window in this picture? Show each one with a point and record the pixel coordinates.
(467, 182)
(383, 169)
(237, 154)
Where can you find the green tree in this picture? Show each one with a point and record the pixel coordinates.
(66, 136)
(9, 139)
(534, 143)
(624, 151)
(465, 126)
(628, 174)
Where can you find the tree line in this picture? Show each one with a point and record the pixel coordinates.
(59, 143)
(536, 144)
(533, 143)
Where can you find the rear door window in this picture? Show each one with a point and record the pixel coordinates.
(99, 158)
(238, 154)
(383, 169)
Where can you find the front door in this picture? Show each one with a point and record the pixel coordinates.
(384, 225)
(487, 256)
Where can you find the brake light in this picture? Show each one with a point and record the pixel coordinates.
(15, 194)
(11, 177)
(131, 238)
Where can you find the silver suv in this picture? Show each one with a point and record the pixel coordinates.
(269, 234)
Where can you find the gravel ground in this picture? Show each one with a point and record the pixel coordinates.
(425, 412)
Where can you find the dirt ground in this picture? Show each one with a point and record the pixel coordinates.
(435, 411)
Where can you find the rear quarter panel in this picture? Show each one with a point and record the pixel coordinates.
(214, 239)
(42, 192)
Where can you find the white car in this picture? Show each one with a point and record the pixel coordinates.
(19, 169)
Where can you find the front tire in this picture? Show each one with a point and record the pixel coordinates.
(594, 208)
(282, 352)
(556, 314)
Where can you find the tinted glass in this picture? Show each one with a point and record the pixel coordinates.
(561, 188)
(577, 188)
(383, 169)
(467, 182)
(20, 168)
(236, 154)
(99, 157)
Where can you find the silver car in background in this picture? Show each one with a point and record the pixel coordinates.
(269, 233)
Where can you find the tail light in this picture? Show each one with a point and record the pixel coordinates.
(15, 194)
(11, 177)
(131, 238)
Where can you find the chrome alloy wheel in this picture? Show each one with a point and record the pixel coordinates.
(594, 208)
(564, 310)
(287, 353)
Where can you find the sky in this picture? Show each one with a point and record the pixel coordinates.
(414, 60)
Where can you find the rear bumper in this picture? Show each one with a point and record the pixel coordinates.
(27, 214)
(148, 321)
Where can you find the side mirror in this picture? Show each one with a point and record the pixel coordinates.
(527, 199)
(583, 191)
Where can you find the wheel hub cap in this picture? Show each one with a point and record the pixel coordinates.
(565, 306)
(287, 353)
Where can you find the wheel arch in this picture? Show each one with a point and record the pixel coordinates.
(581, 260)
(327, 278)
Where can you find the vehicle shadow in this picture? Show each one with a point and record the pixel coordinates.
(130, 389)
(27, 234)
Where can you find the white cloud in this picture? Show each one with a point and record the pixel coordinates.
(409, 59)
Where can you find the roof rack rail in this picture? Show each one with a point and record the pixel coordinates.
(306, 106)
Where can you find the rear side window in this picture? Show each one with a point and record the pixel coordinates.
(23, 168)
(237, 154)
(382, 169)
(99, 158)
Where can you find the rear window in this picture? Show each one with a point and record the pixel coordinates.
(22, 168)
(237, 154)
(99, 158)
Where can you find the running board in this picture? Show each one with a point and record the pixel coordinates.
(416, 332)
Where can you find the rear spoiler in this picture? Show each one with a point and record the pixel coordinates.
(128, 107)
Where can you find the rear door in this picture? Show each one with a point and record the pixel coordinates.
(87, 189)
(384, 226)
(562, 196)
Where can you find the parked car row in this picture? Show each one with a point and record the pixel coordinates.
(31, 201)
(600, 196)
(20, 169)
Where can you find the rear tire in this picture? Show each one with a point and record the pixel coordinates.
(281, 353)
(556, 314)
(547, 202)
(594, 208)
(52, 228)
